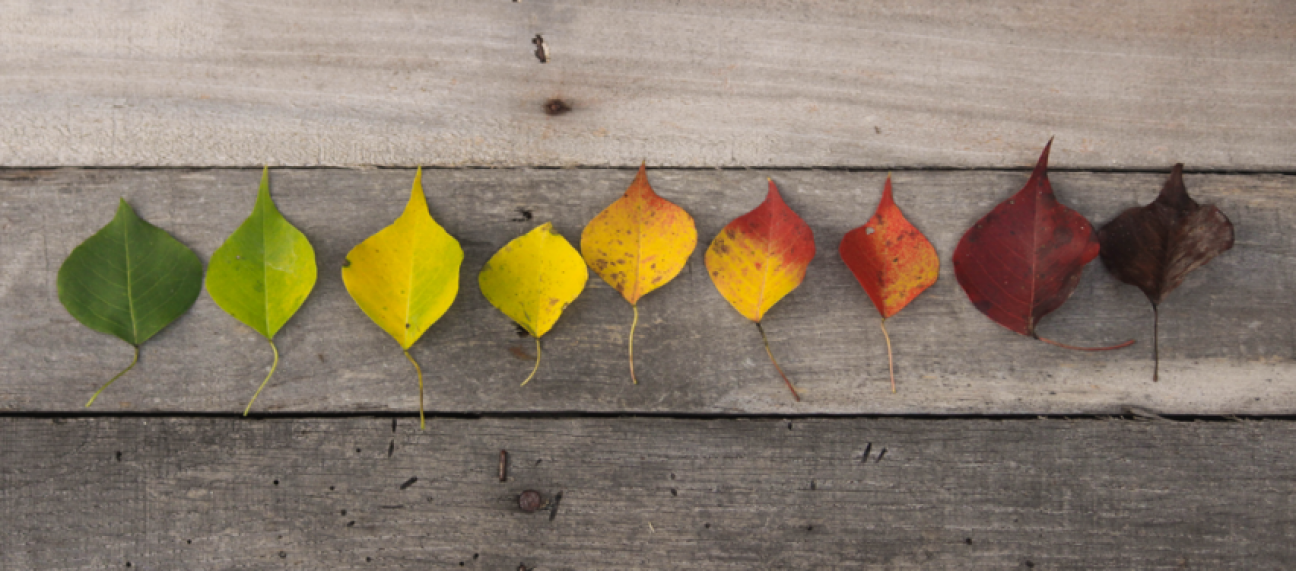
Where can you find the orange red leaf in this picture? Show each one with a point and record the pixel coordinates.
(892, 260)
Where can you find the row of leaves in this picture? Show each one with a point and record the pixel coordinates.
(1017, 264)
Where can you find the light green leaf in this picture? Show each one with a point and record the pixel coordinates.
(263, 272)
(406, 276)
(129, 279)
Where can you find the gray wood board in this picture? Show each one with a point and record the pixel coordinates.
(700, 83)
(224, 493)
(1227, 334)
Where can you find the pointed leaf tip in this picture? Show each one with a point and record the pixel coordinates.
(1041, 166)
(887, 197)
(417, 200)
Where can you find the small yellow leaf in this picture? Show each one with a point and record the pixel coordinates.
(533, 278)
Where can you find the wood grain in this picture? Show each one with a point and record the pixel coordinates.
(701, 83)
(366, 493)
(1227, 335)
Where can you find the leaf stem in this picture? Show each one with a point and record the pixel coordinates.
(776, 365)
(1074, 348)
(537, 365)
(890, 361)
(632, 329)
(118, 376)
(1156, 342)
(419, 370)
(267, 379)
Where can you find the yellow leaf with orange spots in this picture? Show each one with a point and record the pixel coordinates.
(638, 244)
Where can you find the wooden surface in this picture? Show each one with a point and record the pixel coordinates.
(1227, 337)
(224, 493)
(957, 98)
(698, 83)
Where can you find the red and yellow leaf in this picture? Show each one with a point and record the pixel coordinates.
(892, 260)
(759, 258)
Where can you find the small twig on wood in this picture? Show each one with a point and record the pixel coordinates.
(503, 466)
(541, 51)
(553, 506)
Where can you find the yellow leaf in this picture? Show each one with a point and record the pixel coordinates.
(637, 244)
(532, 279)
(406, 276)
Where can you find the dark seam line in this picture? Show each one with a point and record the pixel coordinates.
(432, 416)
(763, 168)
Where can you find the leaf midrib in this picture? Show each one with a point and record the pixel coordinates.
(638, 265)
(769, 244)
(130, 298)
(265, 267)
(409, 293)
(1034, 260)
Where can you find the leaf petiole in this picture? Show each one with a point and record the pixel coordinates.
(537, 365)
(1156, 341)
(419, 370)
(632, 330)
(776, 365)
(1074, 348)
(118, 376)
(267, 379)
(890, 361)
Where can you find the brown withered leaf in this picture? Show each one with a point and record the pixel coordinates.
(1154, 247)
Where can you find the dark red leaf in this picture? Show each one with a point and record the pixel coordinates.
(1155, 246)
(1023, 259)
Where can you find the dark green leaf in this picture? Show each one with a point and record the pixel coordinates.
(130, 279)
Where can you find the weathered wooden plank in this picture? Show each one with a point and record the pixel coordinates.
(699, 83)
(1227, 333)
(647, 494)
